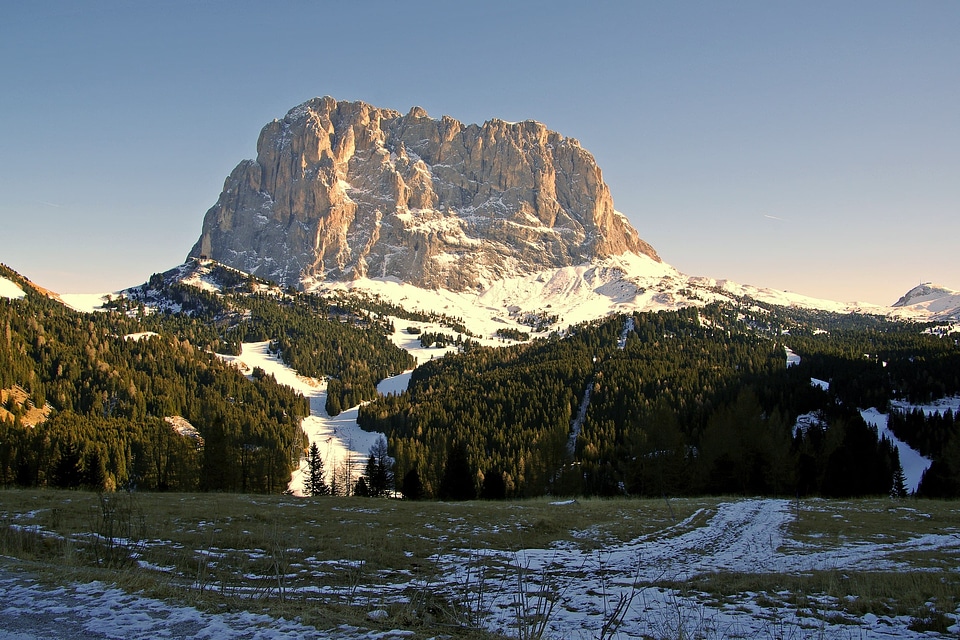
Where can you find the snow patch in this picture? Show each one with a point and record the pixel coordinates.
(10, 289)
(85, 302)
(912, 462)
(142, 335)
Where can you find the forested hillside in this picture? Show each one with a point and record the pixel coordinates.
(109, 389)
(109, 379)
(691, 401)
(343, 339)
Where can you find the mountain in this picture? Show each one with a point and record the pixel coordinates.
(346, 190)
(934, 301)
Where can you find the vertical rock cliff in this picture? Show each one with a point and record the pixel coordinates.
(343, 190)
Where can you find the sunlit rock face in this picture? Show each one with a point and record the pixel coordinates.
(344, 190)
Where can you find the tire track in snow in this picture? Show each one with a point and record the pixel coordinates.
(738, 536)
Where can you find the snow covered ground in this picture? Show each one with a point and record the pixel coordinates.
(749, 536)
(84, 302)
(10, 290)
(96, 611)
(587, 582)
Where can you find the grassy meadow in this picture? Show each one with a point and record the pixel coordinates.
(331, 561)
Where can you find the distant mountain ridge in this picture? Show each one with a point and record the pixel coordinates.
(346, 190)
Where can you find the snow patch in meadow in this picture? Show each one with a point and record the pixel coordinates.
(96, 610)
(749, 536)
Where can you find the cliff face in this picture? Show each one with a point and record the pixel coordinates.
(342, 190)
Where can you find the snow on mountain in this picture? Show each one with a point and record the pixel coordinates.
(784, 298)
(560, 297)
(10, 289)
(84, 302)
(930, 300)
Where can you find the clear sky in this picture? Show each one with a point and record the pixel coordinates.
(809, 146)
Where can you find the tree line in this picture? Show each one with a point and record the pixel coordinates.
(697, 401)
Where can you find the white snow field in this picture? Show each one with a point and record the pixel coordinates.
(96, 611)
(84, 302)
(10, 289)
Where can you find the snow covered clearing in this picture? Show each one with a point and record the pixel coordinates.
(339, 438)
(941, 406)
(142, 335)
(792, 358)
(84, 302)
(912, 462)
(748, 536)
(10, 290)
(410, 342)
(820, 384)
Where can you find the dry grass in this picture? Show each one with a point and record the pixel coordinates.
(331, 561)
(30, 415)
(326, 561)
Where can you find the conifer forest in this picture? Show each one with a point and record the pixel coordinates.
(686, 402)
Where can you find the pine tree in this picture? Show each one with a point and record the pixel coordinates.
(316, 484)
(361, 489)
(380, 469)
(369, 475)
(899, 488)
(457, 482)
(412, 485)
(494, 488)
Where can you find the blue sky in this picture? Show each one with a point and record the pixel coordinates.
(808, 146)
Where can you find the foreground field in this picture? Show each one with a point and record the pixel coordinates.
(269, 567)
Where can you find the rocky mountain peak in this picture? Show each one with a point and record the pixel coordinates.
(343, 190)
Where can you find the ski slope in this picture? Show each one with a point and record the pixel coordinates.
(340, 440)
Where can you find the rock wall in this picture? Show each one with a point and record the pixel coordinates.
(342, 190)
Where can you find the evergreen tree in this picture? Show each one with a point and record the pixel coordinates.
(68, 470)
(494, 488)
(361, 489)
(316, 483)
(412, 488)
(94, 474)
(458, 479)
(380, 469)
(899, 488)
